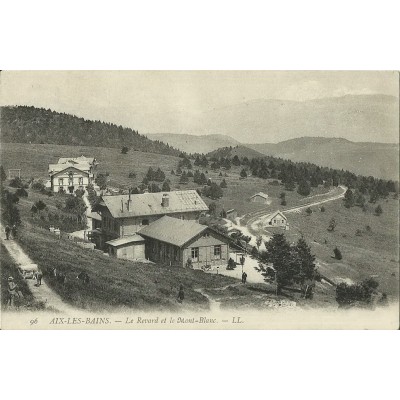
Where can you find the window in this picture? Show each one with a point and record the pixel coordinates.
(81, 181)
(195, 253)
(217, 251)
(61, 181)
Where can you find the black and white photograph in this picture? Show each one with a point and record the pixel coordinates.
(199, 199)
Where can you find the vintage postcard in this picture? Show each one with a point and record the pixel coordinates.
(199, 199)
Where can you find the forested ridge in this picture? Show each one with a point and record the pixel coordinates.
(24, 124)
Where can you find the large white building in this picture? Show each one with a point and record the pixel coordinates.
(70, 174)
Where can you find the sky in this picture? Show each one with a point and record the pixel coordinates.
(152, 100)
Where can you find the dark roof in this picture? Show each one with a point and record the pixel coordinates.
(173, 230)
(150, 203)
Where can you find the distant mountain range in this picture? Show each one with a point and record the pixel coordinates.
(359, 118)
(376, 159)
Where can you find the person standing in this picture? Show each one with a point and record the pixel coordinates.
(181, 294)
(12, 291)
(244, 277)
(39, 277)
(14, 231)
(7, 230)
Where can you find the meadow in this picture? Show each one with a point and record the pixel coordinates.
(33, 160)
(368, 243)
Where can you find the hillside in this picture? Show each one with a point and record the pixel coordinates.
(37, 125)
(195, 143)
(240, 151)
(357, 118)
(380, 160)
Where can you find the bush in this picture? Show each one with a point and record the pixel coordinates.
(378, 210)
(132, 175)
(322, 209)
(16, 183)
(358, 232)
(283, 202)
(358, 294)
(40, 205)
(338, 254)
(309, 211)
(21, 192)
(124, 150)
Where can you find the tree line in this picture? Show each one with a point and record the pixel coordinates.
(23, 124)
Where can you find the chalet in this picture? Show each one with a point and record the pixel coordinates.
(125, 215)
(175, 241)
(276, 219)
(259, 197)
(70, 174)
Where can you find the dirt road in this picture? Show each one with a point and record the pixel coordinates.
(257, 217)
(41, 293)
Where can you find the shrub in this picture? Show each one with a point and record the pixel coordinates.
(332, 225)
(283, 202)
(358, 232)
(322, 209)
(378, 210)
(21, 192)
(338, 254)
(124, 150)
(309, 211)
(40, 205)
(132, 175)
(16, 183)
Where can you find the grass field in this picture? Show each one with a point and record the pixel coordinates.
(114, 283)
(33, 160)
(374, 253)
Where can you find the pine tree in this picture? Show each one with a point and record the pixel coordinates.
(304, 188)
(166, 187)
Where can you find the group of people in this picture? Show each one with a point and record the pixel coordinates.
(11, 231)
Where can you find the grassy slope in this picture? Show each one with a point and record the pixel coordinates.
(113, 282)
(33, 159)
(373, 253)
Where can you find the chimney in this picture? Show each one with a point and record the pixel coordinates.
(128, 204)
(165, 200)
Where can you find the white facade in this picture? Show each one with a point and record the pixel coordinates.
(70, 180)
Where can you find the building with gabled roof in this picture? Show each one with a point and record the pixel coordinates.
(276, 219)
(70, 174)
(174, 241)
(125, 215)
(259, 197)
